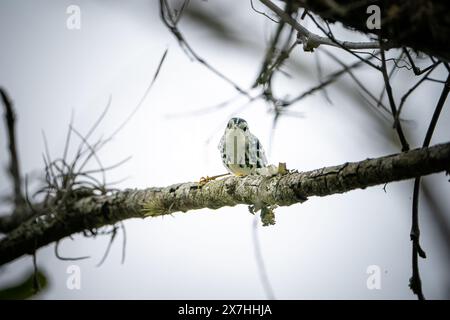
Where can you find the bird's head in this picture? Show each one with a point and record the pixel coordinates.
(237, 123)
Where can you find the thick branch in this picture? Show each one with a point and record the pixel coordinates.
(96, 211)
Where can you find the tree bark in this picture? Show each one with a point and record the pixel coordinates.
(92, 212)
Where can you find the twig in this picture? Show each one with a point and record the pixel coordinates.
(262, 12)
(209, 109)
(397, 125)
(108, 168)
(7, 223)
(415, 282)
(260, 262)
(108, 248)
(320, 77)
(417, 70)
(14, 168)
(155, 76)
(58, 256)
(171, 24)
(436, 80)
(330, 79)
(391, 73)
(356, 80)
(92, 153)
(68, 136)
(124, 241)
(408, 93)
(340, 45)
(102, 142)
(36, 284)
(275, 119)
(263, 75)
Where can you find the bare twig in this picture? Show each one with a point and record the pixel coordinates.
(68, 136)
(111, 240)
(410, 91)
(36, 284)
(58, 256)
(260, 262)
(262, 12)
(397, 125)
(342, 46)
(320, 77)
(417, 71)
(435, 80)
(415, 282)
(263, 75)
(391, 74)
(14, 168)
(357, 81)
(329, 80)
(124, 241)
(171, 24)
(18, 215)
(155, 76)
(209, 109)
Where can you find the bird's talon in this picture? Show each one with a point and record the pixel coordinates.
(204, 180)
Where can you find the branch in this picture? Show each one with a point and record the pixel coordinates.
(311, 40)
(95, 211)
(419, 24)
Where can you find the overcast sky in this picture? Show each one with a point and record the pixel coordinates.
(319, 249)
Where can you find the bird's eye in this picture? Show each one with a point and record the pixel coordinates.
(244, 128)
(229, 125)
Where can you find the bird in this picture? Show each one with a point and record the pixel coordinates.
(241, 152)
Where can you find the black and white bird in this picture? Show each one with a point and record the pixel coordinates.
(242, 153)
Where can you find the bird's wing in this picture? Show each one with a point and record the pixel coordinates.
(257, 154)
(221, 145)
(222, 150)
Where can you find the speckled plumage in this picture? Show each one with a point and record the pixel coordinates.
(242, 153)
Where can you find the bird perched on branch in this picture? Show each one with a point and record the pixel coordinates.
(242, 153)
